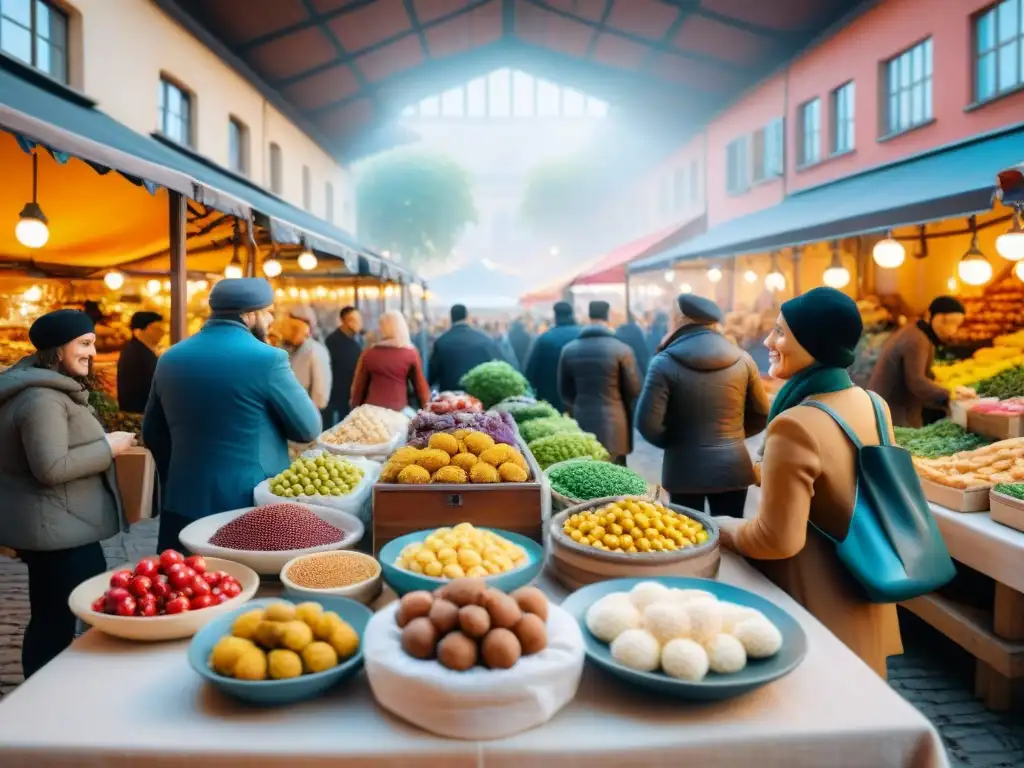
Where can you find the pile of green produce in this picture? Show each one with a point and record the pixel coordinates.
(534, 429)
(561, 447)
(943, 438)
(586, 479)
(1009, 383)
(523, 412)
(1016, 490)
(492, 382)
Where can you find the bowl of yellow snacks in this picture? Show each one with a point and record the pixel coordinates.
(430, 559)
(631, 537)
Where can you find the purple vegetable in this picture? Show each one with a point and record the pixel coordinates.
(499, 426)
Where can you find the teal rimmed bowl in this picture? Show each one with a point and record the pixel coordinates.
(403, 581)
(277, 692)
(714, 687)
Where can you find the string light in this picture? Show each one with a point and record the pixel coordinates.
(686, 288)
(836, 276)
(888, 253)
(33, 294)
(715, 275)
(153, 287)
(307, 260)
(974, 268)
(272, 267)
(670, 275)
(32, 229)
(1010, 245)
(750, 276)
(114, 280)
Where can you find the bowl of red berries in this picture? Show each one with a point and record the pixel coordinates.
(163, 597)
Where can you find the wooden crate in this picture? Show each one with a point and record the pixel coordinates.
(971, 500)
(998, 426)
(515, 507)
(1007, 510)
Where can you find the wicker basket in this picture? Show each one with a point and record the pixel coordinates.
(560, 502)
(576, 565)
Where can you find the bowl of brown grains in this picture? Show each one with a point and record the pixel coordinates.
(343, 573)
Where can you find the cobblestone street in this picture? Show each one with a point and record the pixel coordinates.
(933, 674)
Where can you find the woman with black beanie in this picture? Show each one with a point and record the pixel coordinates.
(60, 494)
(903, 373)
(808, 475)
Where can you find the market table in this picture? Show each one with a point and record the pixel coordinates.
(994, 637)
(105, 702)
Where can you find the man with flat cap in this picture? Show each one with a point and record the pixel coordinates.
(902, 376)
(137, 362)
(702, 398)
(599, 383)
(542, 360)
(223, 407)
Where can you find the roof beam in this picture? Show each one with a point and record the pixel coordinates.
(638, 39)
(508, 19)
(755, 29)
(414, 18)
(315, 20)
(351, 56)
(685, 12)
(340, 49)
(605, 13)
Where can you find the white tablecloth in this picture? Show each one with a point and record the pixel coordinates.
(110, 703)
(977, 541)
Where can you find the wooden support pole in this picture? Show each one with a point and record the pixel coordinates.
(179, 267)
(251, 251)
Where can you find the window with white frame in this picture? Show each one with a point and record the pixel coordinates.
(36, 33)
(238, 146)
(276, 169)
(810, 132)
(999, 49)
(767, 151)
(737, 166)
(843, 115)
(908, 80)
(175, 112)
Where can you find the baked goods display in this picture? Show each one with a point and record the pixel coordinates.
(464, 456)
(1001, 462)
(451, 553)
(366, 425)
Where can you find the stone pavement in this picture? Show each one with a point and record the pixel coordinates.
(933, 674)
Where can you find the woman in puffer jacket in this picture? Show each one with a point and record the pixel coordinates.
(57, 481)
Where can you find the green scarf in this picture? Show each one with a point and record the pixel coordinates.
(813, 380)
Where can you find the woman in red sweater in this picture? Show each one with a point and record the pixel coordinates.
(386, 369)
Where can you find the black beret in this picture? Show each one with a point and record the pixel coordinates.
(142, 320)
(699, 309)
(946, 305)
(599, 310)
(241, 294)
(55, 329)
(827, 324)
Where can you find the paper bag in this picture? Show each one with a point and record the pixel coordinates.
(136, 478)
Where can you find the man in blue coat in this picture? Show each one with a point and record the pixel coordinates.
(542, 361)
(460, 349)
(223, 407)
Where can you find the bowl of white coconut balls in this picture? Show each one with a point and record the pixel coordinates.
(687, 637)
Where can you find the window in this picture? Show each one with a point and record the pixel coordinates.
(694, 182)
(767, 151)
(843, 118)
(276, 170)
(36, 33)
(679, 189)
(737, 162)
(329, 201)
(810, 132)
(238, 146)
(307, 189)
(175, 112)
(909, 89)
(999, 49)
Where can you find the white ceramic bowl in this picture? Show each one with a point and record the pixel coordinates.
(196, 539)
(364, 592)
(156, 628)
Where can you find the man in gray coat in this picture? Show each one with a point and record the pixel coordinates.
(703, 397)
(598, 383)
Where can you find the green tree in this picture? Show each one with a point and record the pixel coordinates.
(558, 194)
(414, 203)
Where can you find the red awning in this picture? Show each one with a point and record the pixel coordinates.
(611, 268)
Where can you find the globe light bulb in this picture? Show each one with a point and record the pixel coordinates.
(715, 274)
(974, 269)
(670, 275)
(1010, 245)
(293, 292)
(33, 294)
(272, 268)
(31, 229)
(307, 260)
(837, 277)
(321, 292)
(153, 287)
(889, 253)
(1018, 270)
(233, 271)
(686, 288)
(113, 280)
(750, 276)
(774, 281)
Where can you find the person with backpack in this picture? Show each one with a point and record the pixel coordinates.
(843, 526)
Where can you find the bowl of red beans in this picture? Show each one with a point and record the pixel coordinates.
(265, 538)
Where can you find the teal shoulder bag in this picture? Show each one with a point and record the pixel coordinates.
(893, 548)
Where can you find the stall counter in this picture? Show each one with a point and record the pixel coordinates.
(105, 702)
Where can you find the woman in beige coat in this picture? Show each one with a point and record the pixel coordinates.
(808, 475)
